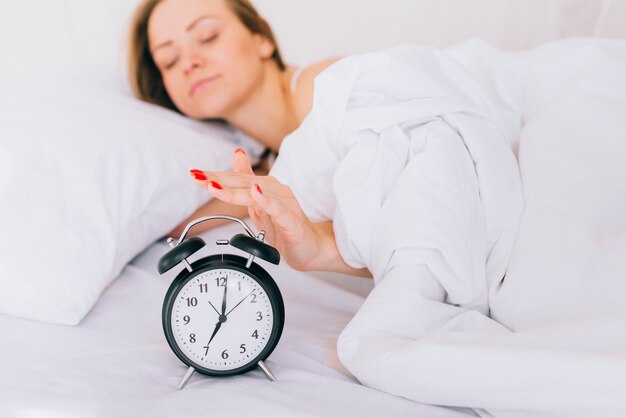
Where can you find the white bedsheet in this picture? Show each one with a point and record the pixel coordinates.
(426, 193)
(117, 363)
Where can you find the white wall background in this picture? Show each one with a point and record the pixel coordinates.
(311, 30)
(89, 35)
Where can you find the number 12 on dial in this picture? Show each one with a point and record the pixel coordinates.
(224, 314)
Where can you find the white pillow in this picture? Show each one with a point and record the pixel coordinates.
(90, 176)
(569, 262)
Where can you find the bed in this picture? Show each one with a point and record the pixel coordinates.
(80, 295)
(117, 362)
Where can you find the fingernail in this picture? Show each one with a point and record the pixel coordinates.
(259, 189)
(199, 176)
(216, 185)
(196, 171)
(240, 150)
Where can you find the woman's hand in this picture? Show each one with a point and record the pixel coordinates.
(273, 208)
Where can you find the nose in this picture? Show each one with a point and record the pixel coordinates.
(191, 61)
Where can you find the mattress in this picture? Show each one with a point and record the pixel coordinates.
(117, 363)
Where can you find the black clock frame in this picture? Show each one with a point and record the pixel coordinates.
(238, 263)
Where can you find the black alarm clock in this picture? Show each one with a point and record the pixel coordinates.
(223, 314)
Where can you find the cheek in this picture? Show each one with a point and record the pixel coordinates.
(172, 86)
(242, 67)
(176, 89)
(238, 54)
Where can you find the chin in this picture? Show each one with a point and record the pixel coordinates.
(214, 111)
(199, 114)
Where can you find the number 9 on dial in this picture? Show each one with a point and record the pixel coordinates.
(223, 314)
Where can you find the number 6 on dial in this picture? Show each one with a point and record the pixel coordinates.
(223, 314)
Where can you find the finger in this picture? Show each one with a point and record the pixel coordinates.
(281, 216)
(264, 223)
(240, 197)
(241, 163)
(256, 217)
(226, 179)
(199, 177)
(237, 180)
(271, 188)
(230, 179)
(220, 180)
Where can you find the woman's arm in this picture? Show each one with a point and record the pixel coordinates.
(303, 244)
(329, 258)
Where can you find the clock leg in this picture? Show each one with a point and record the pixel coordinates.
(267, 371)
(186, 378)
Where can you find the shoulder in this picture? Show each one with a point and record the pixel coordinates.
(303, 94)
(311, 71)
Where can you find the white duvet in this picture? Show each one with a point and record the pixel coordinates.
(420, 146)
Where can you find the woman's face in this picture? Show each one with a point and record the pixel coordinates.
(209, 61)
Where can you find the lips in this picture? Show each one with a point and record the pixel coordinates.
(200, 84)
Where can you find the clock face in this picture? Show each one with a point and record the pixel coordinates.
(222, 319)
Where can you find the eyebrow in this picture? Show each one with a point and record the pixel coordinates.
(190, 27)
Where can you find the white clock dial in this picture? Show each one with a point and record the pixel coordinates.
(243, 330)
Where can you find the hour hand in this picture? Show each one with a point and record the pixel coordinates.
(217, 328)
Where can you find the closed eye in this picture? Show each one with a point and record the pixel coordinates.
(170, 65)
(203, 41)
(209, 39)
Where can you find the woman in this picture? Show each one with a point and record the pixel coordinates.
(398, 168)
(218, 59)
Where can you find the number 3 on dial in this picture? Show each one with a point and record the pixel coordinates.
(223, 314)
(224, 318)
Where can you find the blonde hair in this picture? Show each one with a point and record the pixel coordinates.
(145, 78)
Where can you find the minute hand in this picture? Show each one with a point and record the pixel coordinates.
(224, 300)
(244, 298)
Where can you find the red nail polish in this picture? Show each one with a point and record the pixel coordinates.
(216, 185)
(240, 150)
(196, 171)
(259, 189)
(199, 176)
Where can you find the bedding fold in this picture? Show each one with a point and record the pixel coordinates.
(426, 193)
